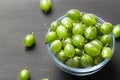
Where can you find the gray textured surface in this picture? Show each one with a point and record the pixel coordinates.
(20, 17)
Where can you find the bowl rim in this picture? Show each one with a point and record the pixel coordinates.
(88, 69)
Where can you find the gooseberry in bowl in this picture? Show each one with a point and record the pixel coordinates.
(82, 45)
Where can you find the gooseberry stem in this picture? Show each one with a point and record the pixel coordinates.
(26, 67)
(32, 33)
(106, 45)
(83, 52)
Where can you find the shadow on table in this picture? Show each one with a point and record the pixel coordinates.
(117, 39)
(109, 72)
(31, 48)
(48, 12)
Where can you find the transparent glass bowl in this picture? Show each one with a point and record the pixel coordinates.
(81, 71)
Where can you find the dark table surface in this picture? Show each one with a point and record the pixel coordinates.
(21, 17)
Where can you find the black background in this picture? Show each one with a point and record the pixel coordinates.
(21, 17)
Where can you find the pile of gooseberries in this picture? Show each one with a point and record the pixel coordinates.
(79, 40)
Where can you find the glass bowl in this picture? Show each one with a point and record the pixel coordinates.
(81, 71)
